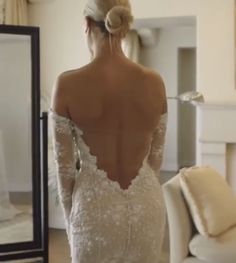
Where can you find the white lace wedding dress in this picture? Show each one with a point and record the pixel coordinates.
(106, 223)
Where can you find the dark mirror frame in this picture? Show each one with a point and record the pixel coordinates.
(38, 247)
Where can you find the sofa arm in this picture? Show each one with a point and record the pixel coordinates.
(180, 222)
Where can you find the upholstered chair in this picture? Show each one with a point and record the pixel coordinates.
(185, 240)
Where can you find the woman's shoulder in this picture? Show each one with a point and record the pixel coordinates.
(154, 79)
(151, 74)
(66, 75)
(69, 78)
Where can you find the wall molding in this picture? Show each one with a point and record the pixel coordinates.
(217, 129)
(39, 1)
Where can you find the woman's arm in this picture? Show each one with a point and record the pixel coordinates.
(157, 145)
(158, 138)
(64, 151)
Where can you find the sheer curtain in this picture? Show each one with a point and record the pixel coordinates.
(7, 210)
(16, 12)
(2, 11)
(131, 45)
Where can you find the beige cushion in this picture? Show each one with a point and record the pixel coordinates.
(221, 249)
(211, 201)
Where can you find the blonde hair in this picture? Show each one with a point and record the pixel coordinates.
(115, 14)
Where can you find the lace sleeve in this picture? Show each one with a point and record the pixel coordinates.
(65, 160)
(157, 145)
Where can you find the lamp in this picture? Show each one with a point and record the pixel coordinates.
(192, 97)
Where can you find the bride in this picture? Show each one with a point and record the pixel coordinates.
(109, 123)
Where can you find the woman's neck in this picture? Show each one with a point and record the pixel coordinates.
(108, 48)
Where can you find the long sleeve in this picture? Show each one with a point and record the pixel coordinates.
(157, 145)
(65, 160)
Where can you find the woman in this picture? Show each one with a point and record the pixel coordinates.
(111, 117)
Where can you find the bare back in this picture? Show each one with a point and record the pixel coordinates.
(117, 105)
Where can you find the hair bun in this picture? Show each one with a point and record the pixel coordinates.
(118, 20)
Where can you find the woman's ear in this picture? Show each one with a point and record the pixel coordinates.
(87, 24)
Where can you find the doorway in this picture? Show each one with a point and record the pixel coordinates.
(186, 111)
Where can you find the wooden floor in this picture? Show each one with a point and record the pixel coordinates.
(59, 251)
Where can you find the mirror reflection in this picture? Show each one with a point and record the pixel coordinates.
(15, 139)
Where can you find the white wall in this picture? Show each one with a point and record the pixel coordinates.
(164, 59)
(63, 47)
(15, 111)
(215, 40)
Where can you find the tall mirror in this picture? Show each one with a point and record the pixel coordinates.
(20, 138)
(16, 221)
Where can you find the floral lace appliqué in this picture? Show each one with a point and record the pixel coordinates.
(105, 223)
